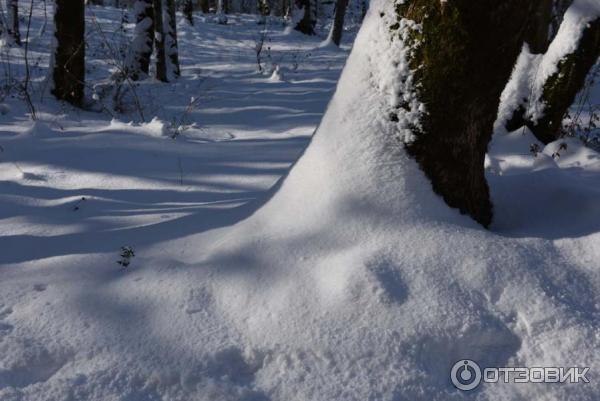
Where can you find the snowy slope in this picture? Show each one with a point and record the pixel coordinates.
(349, 280)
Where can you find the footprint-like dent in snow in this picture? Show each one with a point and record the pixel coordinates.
(25, 363)
(199, 300)
(233, 365)
(39, 287)
(4, 312)
(386, 282)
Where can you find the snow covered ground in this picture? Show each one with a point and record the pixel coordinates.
(347, 280)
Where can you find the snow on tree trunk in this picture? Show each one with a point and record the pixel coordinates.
(69, 55)
(159, 42)
(307, 24)
(13, 21)
(338, 21)
(545, 86)
(171, 39)
(143, 39)
(462, 55)
(561, 88)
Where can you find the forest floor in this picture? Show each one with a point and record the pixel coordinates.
(348, 280)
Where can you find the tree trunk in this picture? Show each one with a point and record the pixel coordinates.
(188, 11)
(159, 42)
(364, 7)
(13, 21)
(561, 88)
(205, 6)
(538, 34)
(461, 59)
(307, 24)
(264, 8)
(338, 21)
(69, 55)
(172, 46)
(143, 40)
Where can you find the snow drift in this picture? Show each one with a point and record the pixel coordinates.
(357, 266)
(352, 282)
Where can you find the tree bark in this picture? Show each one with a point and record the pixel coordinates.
(338, 22)
(69, 55)
(172, 45)
(159, 42)
(13, 21)
(462, 58)
(143, 40)
(188, 11)
(205, 6)
(561, 88)
(307, 24)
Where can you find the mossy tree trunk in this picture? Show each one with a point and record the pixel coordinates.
(463, 56)
(561, 88)
(69, 56)
(338, 21)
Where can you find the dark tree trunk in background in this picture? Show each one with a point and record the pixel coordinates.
(205, 6)
(364, 7)
(172, 46)
(264, 9)
(159, 42)
(143, 39)
(462, 59)
(338, 22)
(188, 11)
(307, 24)
(562, 87)
(69, 56)
(13, 21)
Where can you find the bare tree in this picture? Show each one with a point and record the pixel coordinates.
(307, 24)
(171, 39)
(138, 61)
(338, 22)
(159, 42)
(204, 6)
(69, 55)
(13, 21)
(188, 11)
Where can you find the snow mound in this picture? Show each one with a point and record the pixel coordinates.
(352, 282)
(362, 284)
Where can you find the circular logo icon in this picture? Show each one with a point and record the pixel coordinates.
(465, 375)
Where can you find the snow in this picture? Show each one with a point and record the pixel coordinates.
(261, 273)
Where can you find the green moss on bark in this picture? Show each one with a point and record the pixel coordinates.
(462, 57)
(561, 88)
